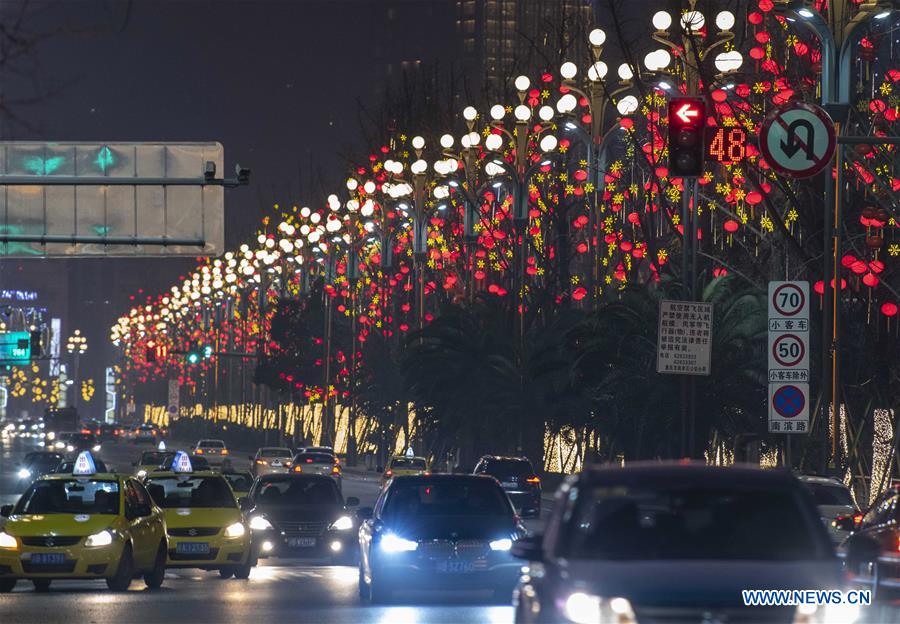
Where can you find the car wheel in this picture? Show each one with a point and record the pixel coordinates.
(7, 585)
(363, 587)
(124, 573)
(226, 573)
(41, 585)
(243, 571)
(154, 578)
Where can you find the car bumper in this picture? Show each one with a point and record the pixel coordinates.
(417, 576)
(222, 552)
(267, 470)
(281, 546)
(79, 562)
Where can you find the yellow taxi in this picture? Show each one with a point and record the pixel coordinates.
(83, 525)
(205, 525)
(404, 465)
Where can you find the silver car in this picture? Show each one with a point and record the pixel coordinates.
(318, 463)
(214, 451)
(833, 499)
(271, 460)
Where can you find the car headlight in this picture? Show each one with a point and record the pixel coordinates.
(235, 530)
(70, 448)
(258, 523)
(344, 523)
(391, 543)
(103, 538)
(51, 435)
(841, 612)
(96, 448)
(24, 473)
(501, 544)
(583, 608)
(141, 473)
(60, 445)
(8, 541)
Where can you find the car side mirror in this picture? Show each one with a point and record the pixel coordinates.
(529, 548)
(245, 503)
(844, 523)
(352, 501)
(6, 511)
(364, 513)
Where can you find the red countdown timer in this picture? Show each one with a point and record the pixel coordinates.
(726, 145)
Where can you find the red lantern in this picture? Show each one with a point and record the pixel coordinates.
(731, 226)
(889, 309)
(819, 287)
(870, 280)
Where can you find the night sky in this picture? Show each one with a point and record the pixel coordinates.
(278, 83)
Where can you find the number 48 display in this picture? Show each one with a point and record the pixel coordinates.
(726, 145)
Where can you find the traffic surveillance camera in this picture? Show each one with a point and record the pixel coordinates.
(243, 174)
(209, 171)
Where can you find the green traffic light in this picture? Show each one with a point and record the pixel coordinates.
(193, 358)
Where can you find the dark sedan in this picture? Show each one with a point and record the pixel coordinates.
(668, 542)
(872, 552)
(438, 532)
(34, 465)
(298, 515)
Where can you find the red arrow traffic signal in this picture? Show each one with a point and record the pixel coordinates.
(687, 120)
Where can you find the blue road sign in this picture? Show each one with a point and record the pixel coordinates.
(788, 401)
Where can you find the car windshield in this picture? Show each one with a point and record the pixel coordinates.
(240, 481)
(830, 494)
(212, 444)
(624, 523)
(75, 496)
(315, 458)
(190, 492)
(509, 467)
(297, 491)
(275, 452)
(411, 463)
(475, 497)
(156, 458)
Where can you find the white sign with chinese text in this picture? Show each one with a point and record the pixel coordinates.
(684, 341)
(788, 357)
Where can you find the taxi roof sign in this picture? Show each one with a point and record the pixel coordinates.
(182, 463)
(161, 446)
(84, 464)
(409, 452)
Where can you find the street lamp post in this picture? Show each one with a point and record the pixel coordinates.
(76, 345)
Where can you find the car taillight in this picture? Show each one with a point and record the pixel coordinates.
(298, 469)
(224, 451)
(335, 470)
(287, 463)
(309, 461)
(262, 462)
(199, 451)
(426, 474)
(388, 473)
(857, 519)
(533, 480)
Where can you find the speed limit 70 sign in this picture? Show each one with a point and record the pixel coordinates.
(788, 357)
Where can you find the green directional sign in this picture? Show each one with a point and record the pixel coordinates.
(15, 348)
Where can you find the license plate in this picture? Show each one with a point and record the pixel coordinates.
(508, 484)
(192, 548)
(48, 558)
(301, 542)
(452, 566)
(276, 463)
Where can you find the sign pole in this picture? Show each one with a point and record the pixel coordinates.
(686, 296)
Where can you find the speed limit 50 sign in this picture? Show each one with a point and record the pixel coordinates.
(788, 357)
